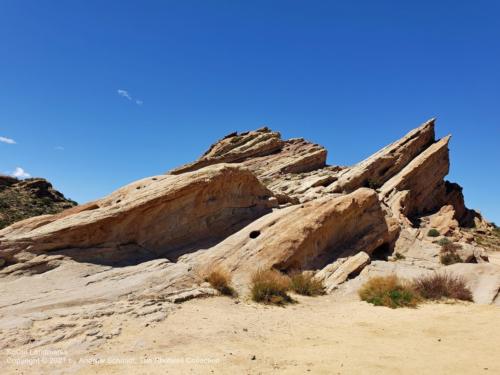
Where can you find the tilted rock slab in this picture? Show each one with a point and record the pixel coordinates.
(307, 236)
(339, 271)
(381, 166)
(420, 188)
(156, 215)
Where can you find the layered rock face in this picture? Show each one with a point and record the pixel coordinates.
(301, 237)
(252, 201)
(156, 216)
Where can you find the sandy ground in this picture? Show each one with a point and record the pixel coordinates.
(317, 335)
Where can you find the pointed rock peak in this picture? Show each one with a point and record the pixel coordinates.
(375, 170)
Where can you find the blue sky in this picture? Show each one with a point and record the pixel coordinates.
(351, 75)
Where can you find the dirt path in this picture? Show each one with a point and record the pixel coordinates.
(318, 335)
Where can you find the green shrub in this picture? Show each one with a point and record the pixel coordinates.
(306, 285)
(270, 287)
(438, 286)
(433, 233)
(373, 184)
(221, 281)
(389, 291)
(443, 241)
(450, 258)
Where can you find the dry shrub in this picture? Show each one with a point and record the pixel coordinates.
(449, 254)
(389, 291)
(442, 285)
(443, 241)
(270, 287)
(307, 285)
(221, 280)
(450, 258)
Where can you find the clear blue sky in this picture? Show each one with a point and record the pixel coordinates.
(351, 75)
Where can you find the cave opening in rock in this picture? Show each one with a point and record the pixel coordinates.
(383, 252)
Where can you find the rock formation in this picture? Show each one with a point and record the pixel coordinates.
(22, 199)
(252, 201)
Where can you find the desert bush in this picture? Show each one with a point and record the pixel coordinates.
(270, 287)
(306, 285)
(373, 184)
(433, 233)
(443, 241)
(450, 258)
(451, 247)
(221, 281)
(449, 254)
(389, 291)
(442, 285)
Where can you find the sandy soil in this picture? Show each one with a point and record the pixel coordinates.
(318, 335)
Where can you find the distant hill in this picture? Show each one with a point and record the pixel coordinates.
(22, 199)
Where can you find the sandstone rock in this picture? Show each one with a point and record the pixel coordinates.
(471, 254)
(235, 148)
(336, 273)
(444, 220)
(482, 279)
(157, 215)
(307, 236)
(274, 161)
(419, 187)
(378, 168)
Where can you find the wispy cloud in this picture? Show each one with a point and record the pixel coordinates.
(9, 141)
(59, 148)
(125, 94)
(20, 173)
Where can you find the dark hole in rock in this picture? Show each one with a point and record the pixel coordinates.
(254, 233)
(383, 252)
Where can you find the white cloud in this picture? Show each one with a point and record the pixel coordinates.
(9, 141)
(124, 93)
(59, 148)
(20, 173)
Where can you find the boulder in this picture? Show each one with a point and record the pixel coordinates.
(482, 279)
(339, 271)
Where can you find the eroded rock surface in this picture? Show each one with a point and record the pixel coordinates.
(306, 236)
(156, 216)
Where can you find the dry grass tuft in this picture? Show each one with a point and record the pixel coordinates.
(270, 287)
(306, 285)
(221, 281)
(449, 254)
(389, 291)
(438, 286)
